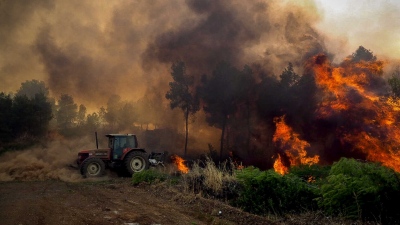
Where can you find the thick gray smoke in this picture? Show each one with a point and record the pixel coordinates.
(92, 49)
(239, 32)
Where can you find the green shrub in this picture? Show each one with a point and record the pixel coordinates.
(148, 176)
(269, 192)
(360, 190)
(311, 173)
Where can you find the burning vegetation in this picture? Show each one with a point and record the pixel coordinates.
(352, 107)
(179, 163)
(253, 81)
(292, 149)
(287, 106)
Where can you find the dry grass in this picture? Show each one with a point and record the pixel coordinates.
(215, 178)
(207, 179)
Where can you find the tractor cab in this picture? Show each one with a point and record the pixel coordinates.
(120, 143)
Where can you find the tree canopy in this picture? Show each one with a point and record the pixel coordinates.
(66, 114)
(363, 54)
(222, 93)
(181, 96)
(32, 87)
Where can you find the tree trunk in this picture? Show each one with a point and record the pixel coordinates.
(186, 129)
(248, 126)
(222, 137)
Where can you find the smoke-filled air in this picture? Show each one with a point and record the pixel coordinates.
(272, 84)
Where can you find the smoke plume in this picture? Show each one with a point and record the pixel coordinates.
(92, 50)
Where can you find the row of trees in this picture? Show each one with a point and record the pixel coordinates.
(27, 114)
(242, 103)
(31, 114)
(230, 97)
(21, 116)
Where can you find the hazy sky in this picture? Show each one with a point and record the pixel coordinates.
(375, 24)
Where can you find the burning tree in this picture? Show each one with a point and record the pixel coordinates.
(292, 150)
(365, 122)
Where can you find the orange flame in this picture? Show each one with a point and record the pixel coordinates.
(348, 89)
(295, 149)
(179, 162)
(279, 167)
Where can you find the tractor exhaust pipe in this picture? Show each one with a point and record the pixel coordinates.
(97, 141)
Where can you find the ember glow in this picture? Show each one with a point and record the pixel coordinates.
(291, 147)
(350, 92)
(180, 164)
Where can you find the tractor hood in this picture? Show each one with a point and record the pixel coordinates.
(88, 151)
(99, 153)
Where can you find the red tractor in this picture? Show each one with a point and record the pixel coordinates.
(123, 153)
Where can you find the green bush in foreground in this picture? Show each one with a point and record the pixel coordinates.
(360, 190)
(349, 188)
(268, 192)
(148, 176)
(311, 173)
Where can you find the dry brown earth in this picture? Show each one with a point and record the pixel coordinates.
(110, 202)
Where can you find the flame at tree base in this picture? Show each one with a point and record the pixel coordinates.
(279, 167)
(180, 163)
(292, 147)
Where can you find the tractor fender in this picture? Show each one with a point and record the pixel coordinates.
(129, 150)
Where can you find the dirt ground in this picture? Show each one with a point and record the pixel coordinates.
(37, 186)
(114, 201)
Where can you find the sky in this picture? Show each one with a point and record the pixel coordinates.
(373, 24)
(93, 49)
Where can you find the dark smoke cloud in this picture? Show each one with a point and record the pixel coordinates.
(221, 34)
(238, 32)
(93, 49)
(71, 71)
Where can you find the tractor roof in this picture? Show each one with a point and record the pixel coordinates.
(119, 135)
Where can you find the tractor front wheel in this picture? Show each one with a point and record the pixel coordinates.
(92, 167)
(136, 162)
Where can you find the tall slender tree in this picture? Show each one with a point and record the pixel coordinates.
(221, 94)
(6, 114)
(181, 95)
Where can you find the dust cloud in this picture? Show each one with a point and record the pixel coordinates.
(51, 162)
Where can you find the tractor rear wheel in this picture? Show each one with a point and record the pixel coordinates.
(92, 167)
(136, 162)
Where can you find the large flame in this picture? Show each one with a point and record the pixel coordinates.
(369, 119)
(180, 163)
(289, 144)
